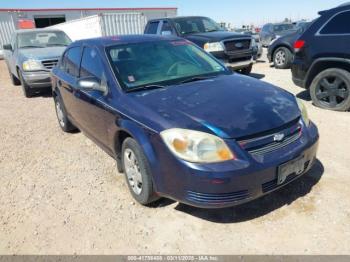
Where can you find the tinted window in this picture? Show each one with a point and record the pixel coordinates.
(283, 27)
(163, 62)
(71, 61)
(192, 25)
(91, 64)
(166, 27)
(338, 25)
(152, 28)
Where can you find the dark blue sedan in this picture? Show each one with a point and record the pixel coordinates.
(179, 124)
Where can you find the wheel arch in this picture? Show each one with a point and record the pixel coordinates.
(323, 64)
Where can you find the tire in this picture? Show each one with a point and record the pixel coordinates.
(137, 173)
(246, 70)
(330, 89)
(62, 118)
(14, 80)
(27, 91)
(282, 58)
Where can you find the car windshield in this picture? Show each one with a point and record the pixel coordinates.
(162, 62)
(283, 27)
(42, 39)
(196, 25)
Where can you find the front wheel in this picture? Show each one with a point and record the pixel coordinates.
(27, 91)
(246, 70)
(330, 89)
(137, 173)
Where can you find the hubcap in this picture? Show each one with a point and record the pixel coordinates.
(332, 91)
(132, 170)
(280, 58)
(60, 114)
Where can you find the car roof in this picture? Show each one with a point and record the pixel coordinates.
(336, 9)
(43, 30)
(177, 17)
(124, 39)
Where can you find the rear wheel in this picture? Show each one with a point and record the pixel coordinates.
(282, 58)
(331, 89)
(137, 172)
(62, 118)
(246, 70)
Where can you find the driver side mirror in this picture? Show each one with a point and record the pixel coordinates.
(7, 47)
(92, 84)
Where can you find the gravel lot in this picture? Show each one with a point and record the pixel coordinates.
(61, 194)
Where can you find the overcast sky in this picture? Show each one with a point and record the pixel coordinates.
(237, 12)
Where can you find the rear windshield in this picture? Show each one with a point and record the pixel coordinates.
(42, 39)
(192, 25)
(161, 62)
(283, 27)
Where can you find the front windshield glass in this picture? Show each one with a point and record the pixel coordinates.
(283, 27)
(161, 62)
(196, 25)
(42, 39)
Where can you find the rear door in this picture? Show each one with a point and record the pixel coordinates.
(67, 80)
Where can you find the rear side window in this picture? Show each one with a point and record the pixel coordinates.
(152, 28)
(338, 25)
(91, 64)
(71, 61)
(166, 27)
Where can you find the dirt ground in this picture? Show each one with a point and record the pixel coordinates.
(61, 194)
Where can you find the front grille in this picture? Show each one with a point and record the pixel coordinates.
(272, 185)
(237, 45)
(268, 142)
(49, 64)
(217, 198)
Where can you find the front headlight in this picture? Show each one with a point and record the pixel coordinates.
(214, 47)
(31, 65)
(303, 111)
(196, 147)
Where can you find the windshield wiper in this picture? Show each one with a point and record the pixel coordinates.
(56, 45)
(146, 87)
(196, 78)
(32, 46)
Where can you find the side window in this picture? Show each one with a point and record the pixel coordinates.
(71, 61)
(91, 65)
(152, 28)
(166, 28)
(338, 25)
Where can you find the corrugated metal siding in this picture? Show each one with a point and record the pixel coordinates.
(7, 27)
(122, 24)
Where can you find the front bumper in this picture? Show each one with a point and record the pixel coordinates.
(233, 182)
(236, 60)
(37, 79)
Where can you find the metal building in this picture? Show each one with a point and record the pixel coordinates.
(12, 19)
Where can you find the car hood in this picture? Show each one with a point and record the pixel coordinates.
(215, 36)
(42, 53)
(230, 106)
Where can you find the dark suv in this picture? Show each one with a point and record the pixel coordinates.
(322, 59)
(236, 51)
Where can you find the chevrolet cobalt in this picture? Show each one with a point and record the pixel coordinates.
(179, 123)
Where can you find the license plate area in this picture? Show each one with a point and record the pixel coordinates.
(296, 166)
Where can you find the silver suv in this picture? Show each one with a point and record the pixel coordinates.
(31, 56)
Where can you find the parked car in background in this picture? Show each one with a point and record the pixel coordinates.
(322, 59)
(179, 123)
(269, 32)
(281, 50)
(257, 46)
(31, 55)
(234, 50)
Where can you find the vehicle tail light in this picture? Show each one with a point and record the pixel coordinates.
(298, 45)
